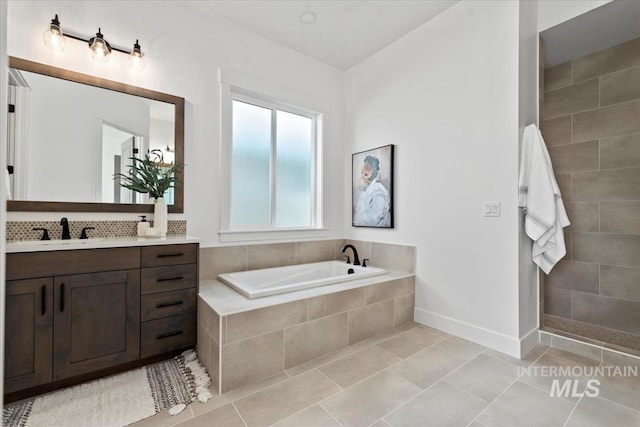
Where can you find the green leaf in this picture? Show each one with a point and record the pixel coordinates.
(149, 175)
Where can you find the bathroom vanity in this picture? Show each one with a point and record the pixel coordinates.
(81, 309)
(89, 310)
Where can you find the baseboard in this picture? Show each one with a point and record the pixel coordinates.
(503, 343)
(529, 341)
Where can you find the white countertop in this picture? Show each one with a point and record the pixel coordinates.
(225, 301)
(95, 243)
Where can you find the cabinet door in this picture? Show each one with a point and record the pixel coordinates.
(97, 321)
(28, 333)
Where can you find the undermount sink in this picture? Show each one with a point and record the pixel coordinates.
(56, 242)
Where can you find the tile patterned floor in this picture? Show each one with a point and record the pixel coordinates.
(417, 377)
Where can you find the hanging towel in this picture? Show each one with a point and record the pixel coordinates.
(545, 216)
(7, 184)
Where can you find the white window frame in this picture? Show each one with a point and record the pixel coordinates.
(237, 86)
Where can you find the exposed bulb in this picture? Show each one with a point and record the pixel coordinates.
(53, 37)
(136, 63)
(100, 48)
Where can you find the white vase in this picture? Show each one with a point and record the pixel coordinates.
(160, 217)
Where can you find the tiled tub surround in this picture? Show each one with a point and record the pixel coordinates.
(229, 259)
(23, 230)
(592, 128)
(241, 344)
(242, 341)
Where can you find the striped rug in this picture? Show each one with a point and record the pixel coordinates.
(118, 400)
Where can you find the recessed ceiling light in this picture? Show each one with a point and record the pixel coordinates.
(308, 17)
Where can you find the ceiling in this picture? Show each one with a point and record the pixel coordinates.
(600, 28)
(344, 32)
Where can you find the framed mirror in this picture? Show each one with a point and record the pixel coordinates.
(69, 133)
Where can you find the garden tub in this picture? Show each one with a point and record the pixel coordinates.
(278, 280)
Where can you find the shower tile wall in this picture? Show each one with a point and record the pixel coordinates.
(591, 124)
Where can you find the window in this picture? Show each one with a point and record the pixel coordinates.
(272, 171)
(274, 164)
(271, 161)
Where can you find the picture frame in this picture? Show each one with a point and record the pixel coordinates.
(372, 188)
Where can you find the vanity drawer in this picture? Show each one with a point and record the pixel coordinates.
(165, 304)
(157, 256)
(27, 265)
(171, 333)
(170, 278)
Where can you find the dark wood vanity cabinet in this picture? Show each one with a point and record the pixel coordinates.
(28, 333)
(169, 291)
(96, 321)
(76, 312)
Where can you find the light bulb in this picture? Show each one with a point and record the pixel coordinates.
(100, 48)
(136, 63)
(53, 37)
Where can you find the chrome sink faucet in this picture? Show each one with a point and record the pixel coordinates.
(64, 222)
(356, 259)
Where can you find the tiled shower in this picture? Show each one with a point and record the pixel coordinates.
(591, 124)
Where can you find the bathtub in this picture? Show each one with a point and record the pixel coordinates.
(272, 281)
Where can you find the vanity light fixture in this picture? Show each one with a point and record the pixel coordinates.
(136, 63)
(53, 37)
(100, 48)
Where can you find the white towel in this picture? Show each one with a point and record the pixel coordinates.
(7, 184)
(545, 215)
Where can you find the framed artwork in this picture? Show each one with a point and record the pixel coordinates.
(372, 188)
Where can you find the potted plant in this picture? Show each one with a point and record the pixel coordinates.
(151, 175)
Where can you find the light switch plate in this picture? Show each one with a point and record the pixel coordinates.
(491, 208)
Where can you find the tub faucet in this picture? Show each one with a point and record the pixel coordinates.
(64, 222)
(356, 260)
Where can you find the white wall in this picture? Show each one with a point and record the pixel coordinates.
(161, 136)
(447, 96)
(184, 51)
(112, 140)
(527, 114)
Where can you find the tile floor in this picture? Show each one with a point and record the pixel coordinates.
(417, 377)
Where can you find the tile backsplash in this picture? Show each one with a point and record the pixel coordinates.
(23, 230)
